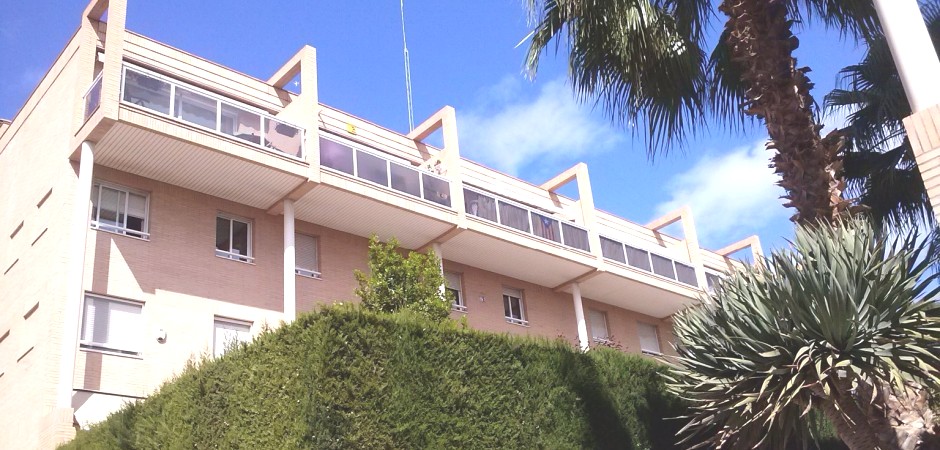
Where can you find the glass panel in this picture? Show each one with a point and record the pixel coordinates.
(405, 179)
(638, 258)
(479, 205)
(663, 266)
(507, 310)
(195, 108)
(147, 91)
(283, 137)
(686, 274)
(336, 156)
(111, 210)
(712, 280)
(649, 338)
(545, 227)
(513, 216)
(242, 124)
(136, 212)
(222, 230)
(576, 237)
(372, 168)
(515, 303)
(436, 190)
(240, 231)
(93, 98)
(598, 325)
(612, 250)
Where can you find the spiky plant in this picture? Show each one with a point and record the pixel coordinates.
(843, 322)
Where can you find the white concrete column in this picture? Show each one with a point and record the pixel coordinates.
(290, 264)
(913, 51)
(436, 248)
(75, 294)
(583, 340)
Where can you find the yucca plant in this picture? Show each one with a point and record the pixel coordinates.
(842, 322)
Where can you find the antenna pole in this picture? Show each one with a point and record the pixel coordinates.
(404, 42)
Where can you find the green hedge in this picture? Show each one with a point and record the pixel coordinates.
(346, 378)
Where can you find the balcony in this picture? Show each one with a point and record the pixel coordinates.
(647, 261)
(211, 112)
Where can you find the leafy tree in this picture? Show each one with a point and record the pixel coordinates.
(844, 323)
(398, 282)
(645, 62)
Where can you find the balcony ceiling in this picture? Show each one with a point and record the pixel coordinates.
(153, 155)
(635, 295)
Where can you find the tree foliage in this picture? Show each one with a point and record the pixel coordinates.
(825, 325)
(397, 282)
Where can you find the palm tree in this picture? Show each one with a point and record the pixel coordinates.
(644, 60)
(838, 313)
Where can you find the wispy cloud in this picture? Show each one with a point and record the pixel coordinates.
(732, 195)
(509, 131)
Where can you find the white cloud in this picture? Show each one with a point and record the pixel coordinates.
(732, 195)
(509, 132)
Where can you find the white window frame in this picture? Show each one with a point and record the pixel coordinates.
(249, 258)
(231, 322)
(519, 294)
(131, 349)
(309, 272)
(659, 348)
(461, 304)
(603, 315)
(123, 231)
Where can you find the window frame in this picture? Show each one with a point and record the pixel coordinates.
(226, 320)
(307, 272)
(132, 349)
(603, 315)
(461, 304)
(95, 222)
(659, 345)
(508, 292)
(249, 258)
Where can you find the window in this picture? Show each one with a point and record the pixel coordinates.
(119, 210)
(111, 325)
(233, 238)
(649, 338)
(712, 279)
(598, 322)
(453, 291)
(229, 333)
(612, 249)
(308, 256)
(513, 306)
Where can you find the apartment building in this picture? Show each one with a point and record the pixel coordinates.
(158, 205)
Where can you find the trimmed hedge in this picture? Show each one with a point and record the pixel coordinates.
(347, 378)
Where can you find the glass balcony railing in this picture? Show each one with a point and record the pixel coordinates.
(92, 98)
(512, 215)
(648, 261)
(390, 174)
(196, 107)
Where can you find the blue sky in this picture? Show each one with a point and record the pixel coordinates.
(463, 54)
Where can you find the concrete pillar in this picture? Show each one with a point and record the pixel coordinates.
(912, 50)
(583, 340)
(436, 248)
(75, 293)
(290, 264)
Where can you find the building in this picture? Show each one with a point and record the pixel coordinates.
(157, 205)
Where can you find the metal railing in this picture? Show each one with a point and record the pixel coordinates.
(383, 171)
(206, 110)
(519, 217)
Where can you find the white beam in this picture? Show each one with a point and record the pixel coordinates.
(913, 51)
(290, 263)
(583, 341)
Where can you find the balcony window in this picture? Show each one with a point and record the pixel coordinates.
(649, 338)
(514, 217)
(233, 238)
(283, 137)
(479, 205)
(663, 267)
(195, 108)
(452, 289)
(307, 253)
(405, 179)
(119, 210)
(686, 274)
(513, 307)
(147, 91)
(372, 168)
(436, 190)
(111, 325)
(241, 123)
(336, 156)
(598, 323)
(575, 237)
(228, 334)
(545, 227)
(638, 258)
(613, 250)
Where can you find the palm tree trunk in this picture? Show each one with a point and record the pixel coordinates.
(762, 45)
